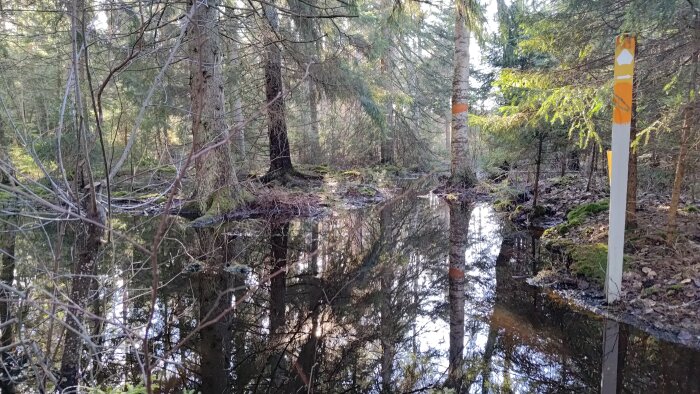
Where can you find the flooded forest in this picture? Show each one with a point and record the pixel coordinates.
(349, 196)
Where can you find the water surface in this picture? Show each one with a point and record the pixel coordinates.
(409, 296)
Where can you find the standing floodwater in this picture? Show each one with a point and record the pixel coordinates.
(407, 296)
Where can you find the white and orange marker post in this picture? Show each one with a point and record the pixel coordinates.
(622, 117)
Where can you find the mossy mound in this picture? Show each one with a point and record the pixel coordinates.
(589, 261)
(576, 216)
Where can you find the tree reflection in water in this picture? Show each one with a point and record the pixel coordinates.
(402, 297)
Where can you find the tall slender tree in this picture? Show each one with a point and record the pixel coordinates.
(280, 154)
(7, 263)
(217, 188)
(467, 17)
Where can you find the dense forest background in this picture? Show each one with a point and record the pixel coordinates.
(112, 107)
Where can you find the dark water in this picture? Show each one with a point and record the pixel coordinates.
(409, 296)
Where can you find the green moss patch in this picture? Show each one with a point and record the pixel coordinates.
(503, 205)
(589, 261)
(577, 215)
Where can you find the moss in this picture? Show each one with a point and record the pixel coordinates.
(589, 261)
(649, 291)
(320, 169)
(453, 197)
(351, 174)
(565, 180)
(558, 245)
(692, 209)
(503, 205)
(518, 211)
(167, 170)
(367, 191)
(223, 201)
(550, 232)
(576, 215)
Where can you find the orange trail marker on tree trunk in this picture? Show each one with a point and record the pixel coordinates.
(622, 117)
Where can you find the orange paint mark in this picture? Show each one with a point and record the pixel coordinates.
(459, 108)
(623, 78)
(626, 41)
(622, 101)
(456, 273)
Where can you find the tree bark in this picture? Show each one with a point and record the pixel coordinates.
(686, 132)
(680, 172)
(7, 269)
(217, 187)
(461, 171)
(538, 163)
(89, 229)
(591, 169)
(314, 149)
(280, 156)
(88, 238)
(387, 143)
(448, 131)
(237, 109)
(631, 211)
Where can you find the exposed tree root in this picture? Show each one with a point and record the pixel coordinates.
(288, 176)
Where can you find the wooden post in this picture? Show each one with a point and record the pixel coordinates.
(622, 118)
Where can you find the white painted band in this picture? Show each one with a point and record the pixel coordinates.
(618, 206)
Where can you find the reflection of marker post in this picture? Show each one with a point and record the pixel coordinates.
(611, 334)
(622, 118)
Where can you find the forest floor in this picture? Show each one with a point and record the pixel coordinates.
(661, 279)
(336, 189)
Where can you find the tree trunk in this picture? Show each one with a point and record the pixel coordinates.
(459, 226)
(387, 144)
(7, 275)
(564, 156)
(88, 240)
(237, 109)
(686, 132)
(461, 171)
(315, 154)
(538, 163)
(448, 126)
(631, 211)
(216, 187)
(591, 169)
(680, 172)
(89, 229)
(7, 269)
(280, 157)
